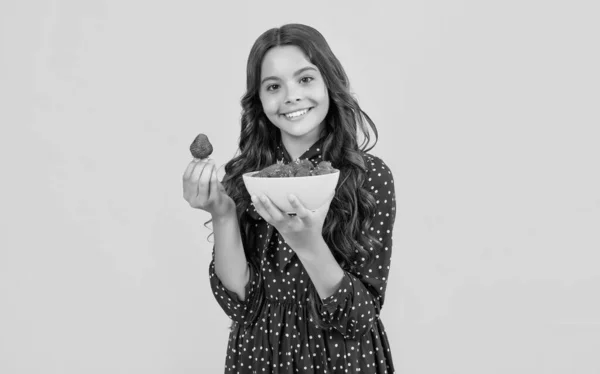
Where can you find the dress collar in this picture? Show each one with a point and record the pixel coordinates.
(314, 153)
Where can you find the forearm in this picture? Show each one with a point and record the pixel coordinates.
(322, 268)
(348, 306)
(230, 260)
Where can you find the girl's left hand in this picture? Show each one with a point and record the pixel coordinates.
(301, 231)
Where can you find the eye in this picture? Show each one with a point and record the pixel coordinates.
(272, 87)
(306, 79)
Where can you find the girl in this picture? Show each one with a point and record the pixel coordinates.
(304, 292)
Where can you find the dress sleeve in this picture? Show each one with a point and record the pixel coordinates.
(241, 311)
(352, 309)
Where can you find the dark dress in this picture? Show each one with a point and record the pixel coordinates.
(283, 338)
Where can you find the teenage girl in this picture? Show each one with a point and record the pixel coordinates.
(304, 292)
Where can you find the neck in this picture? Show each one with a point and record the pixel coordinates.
(296, 146)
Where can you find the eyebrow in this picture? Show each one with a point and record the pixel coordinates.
(298, 72)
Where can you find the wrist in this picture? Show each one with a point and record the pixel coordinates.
(312, 249)
(225, 216)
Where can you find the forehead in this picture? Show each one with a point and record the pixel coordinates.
(283, 61)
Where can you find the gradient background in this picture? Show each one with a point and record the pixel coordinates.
(488, 119)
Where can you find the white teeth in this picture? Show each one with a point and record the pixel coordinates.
(296, 114)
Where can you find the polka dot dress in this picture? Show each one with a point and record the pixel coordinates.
(283, 337)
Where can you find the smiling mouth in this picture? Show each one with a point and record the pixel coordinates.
(297, 114)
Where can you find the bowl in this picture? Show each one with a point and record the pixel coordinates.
(312, 191)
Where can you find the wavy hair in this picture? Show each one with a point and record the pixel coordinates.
(346, 227)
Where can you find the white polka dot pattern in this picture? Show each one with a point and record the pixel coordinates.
(284, 338)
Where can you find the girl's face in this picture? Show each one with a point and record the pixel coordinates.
(293, 94)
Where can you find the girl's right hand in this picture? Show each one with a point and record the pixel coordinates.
(202, 190)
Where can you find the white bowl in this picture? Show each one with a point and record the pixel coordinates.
(312, 191)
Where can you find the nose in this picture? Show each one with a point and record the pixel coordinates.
(293, 96)
(291, 100)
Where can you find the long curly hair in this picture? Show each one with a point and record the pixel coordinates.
(346, 227)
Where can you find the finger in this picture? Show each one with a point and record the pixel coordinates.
(192, 182)
(273, 210)
(260, 209)
(204, 181)
(198, 167)
(301, 211)
(190, 168)
(214, 185)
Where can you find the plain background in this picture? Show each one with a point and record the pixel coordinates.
(488, 119)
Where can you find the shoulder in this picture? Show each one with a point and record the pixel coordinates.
(379, 176)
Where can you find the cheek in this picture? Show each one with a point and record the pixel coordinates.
(323, 98)
(322, 95)
(269, 105)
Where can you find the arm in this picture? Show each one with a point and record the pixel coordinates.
(350, 302)
(322, 268)
(357, 300)
(230, 261)
(240, 299)
(233, 280)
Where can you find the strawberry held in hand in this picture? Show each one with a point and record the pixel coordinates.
(201, 147)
